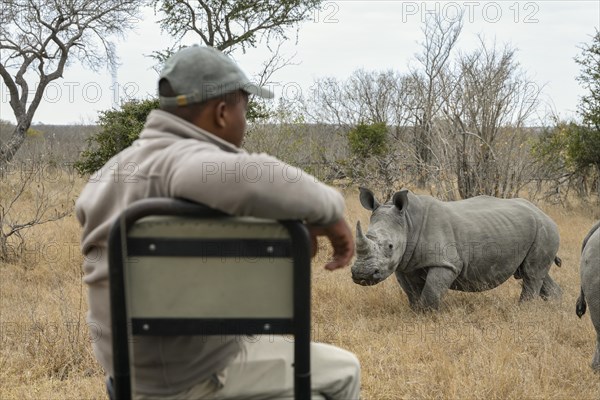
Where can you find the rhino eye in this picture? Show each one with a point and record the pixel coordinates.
(390, 246)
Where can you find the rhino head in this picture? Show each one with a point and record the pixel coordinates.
(379, 252)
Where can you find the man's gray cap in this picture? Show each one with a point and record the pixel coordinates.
(198, 73)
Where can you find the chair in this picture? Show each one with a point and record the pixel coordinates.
(177, 243)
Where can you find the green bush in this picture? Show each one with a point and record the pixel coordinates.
(119, 128)
(368, 140)
(568, 147)
(577, 145)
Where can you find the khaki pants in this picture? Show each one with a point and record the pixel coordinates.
(265, 371)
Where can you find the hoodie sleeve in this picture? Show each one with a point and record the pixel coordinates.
(256, 185)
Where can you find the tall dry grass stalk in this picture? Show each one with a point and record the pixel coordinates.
(478, 346)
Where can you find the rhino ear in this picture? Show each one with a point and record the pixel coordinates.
(400, 199)
(367, 199)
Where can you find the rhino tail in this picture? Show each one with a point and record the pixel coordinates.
(557, 261)
(581, 305)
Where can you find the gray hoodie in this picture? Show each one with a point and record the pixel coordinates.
(174, 158)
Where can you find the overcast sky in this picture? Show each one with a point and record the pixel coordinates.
(347, 35)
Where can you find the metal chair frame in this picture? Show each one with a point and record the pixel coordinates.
(121, 246)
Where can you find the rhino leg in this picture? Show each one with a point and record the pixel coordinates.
(590, 281)
(596, 358)
(534, 271)
(412, 284)
(594, 306)
(550, 289)
(590, 284)
(439, 280)
(531, 288)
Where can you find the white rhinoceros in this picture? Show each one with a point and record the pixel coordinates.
(468, 245)
(590, 284)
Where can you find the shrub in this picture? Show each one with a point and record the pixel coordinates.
(368, 140)
(119, 128)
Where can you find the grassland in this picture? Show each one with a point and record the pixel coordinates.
(478, 346)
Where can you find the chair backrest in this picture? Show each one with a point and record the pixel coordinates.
(258, 279)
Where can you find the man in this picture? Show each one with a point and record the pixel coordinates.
(190, 149)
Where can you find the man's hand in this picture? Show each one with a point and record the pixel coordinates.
(341, 239)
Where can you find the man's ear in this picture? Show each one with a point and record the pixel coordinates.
(220, 114)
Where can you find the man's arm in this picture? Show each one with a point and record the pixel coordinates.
(255, 185)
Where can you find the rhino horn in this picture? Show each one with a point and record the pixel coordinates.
(362, 243)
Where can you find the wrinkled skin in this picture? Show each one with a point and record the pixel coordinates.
(590, 285)
(469, 245)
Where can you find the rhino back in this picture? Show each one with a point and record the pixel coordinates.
(481, 219)
(589, 235)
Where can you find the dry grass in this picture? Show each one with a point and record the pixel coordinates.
(480, 345)
(45, 350)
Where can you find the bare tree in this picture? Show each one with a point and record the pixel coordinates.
(257, 108)
(440, 37)
(31, 195)
(488, 104)
(370, 97)
(37, 40)
(460, 125)
(327, 103)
